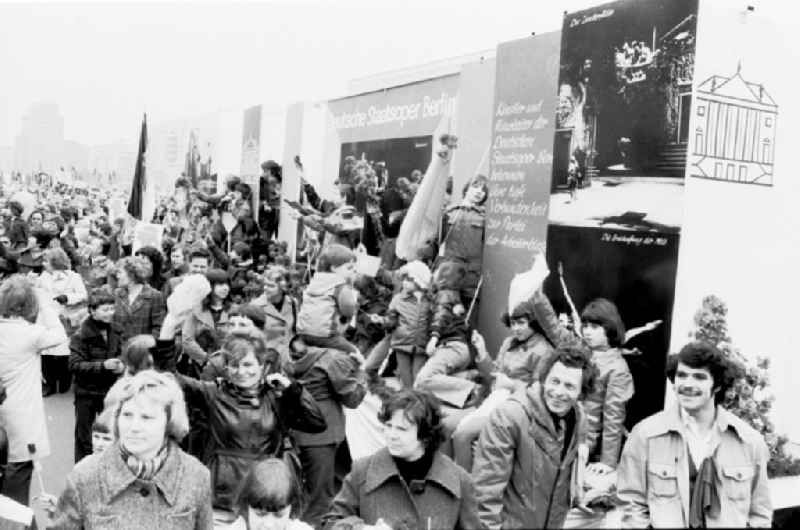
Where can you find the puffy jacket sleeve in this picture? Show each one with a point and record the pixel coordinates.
(299, 410)
(348, 380)
(618, 392)
(392, 318)
(494, 460)
(554, 330)
(632, 482)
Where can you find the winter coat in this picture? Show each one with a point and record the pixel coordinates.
(520, 477)
(22, 413)
(462, 237)
(375, 490)
(103, 493)
(408, 319)
(326, 298)
(143, 317)
(606, 405)
(334, 380)
(520, 361)
(464, 227)
(654, 474)
(87, 351)
(241, 430)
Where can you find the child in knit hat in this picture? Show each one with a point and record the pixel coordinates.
(407, 320)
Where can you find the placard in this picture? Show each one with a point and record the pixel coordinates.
(520, 161)
(147, 235)
(616, 209)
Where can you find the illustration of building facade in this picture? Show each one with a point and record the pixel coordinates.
(734, 131)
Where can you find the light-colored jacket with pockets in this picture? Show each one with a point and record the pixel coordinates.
(327, 297)
(103, 494)
(654, 474)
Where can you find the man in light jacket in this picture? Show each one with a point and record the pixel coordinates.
(695, 464)
(525, 468)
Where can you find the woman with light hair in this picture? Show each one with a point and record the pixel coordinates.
(65, 291)
(22, 340)
(144, 480)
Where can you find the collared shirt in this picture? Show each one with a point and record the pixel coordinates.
(700, 445)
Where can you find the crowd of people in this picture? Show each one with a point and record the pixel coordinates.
(216, 377)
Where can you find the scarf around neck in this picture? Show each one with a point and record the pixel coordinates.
(250, 397)
(145, 469)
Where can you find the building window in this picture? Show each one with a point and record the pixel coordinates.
(698, 143)
(767, 122)
(742, 173)
(765, 152)
(731, 173)
(718, 170)
(701, 110)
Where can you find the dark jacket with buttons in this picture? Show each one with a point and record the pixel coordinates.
(143, 316)
(102, 492)
(88, 349)
(375, 490)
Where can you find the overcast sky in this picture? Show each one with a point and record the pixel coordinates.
(105, 64)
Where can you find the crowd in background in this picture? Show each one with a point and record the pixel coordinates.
(217, 378)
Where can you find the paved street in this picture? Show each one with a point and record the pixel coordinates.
(60, 423)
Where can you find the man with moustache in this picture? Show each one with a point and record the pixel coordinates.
(525, 470)
(695, 465)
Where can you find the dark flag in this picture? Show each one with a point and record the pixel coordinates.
(139, 178)
(192, 159)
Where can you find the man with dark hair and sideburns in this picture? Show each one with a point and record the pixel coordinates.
(525, 467)
(695, 465)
